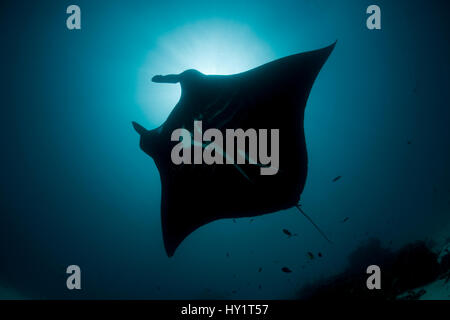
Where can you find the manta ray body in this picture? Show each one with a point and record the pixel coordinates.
(271, 96)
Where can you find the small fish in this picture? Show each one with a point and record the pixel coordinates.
(234, 220)
(260, 269)
(234, 291)
(337, 178)
(409, 142)
(288, 233)
(286, 269)
(228, 254)
(259, 287)
(310, 255)
(319, 254)
(251, 220)
(345, 219)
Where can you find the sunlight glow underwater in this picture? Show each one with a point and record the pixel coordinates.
(211, 47)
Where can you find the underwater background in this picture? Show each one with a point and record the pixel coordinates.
(75, 188)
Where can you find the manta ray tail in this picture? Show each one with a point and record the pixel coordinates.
(312, 222)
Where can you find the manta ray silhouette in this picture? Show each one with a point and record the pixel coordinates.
(271, 96)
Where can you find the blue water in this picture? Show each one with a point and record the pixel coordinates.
(76, 189)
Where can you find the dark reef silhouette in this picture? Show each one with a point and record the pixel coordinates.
(272, 96)
(410, 267)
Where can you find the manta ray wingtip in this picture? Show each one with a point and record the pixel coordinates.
(330, 48)
(170, 253)
(170, 248)
(334, 44)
